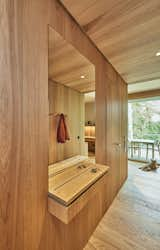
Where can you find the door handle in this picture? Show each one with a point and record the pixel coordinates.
(125, 144)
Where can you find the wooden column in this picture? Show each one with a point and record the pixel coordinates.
(23, 123)
(25, 223)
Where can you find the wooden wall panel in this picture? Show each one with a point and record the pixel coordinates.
(23, 123)
(62, 69)
(144, 94)
(101, 113)
(111, 120)
(70, 102)
(25, 223)
(120, 30)
(76, 234)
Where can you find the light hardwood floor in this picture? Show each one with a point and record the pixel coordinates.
(133, 220)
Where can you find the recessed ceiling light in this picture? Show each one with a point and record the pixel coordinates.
(158, 53)
(82, 77)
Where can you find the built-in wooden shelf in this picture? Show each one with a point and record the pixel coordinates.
(90, 138)
(72, 183)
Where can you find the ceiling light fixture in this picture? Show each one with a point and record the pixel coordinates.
(158, 53)
(82, 77)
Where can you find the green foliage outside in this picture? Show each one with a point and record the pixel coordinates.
(146, 120)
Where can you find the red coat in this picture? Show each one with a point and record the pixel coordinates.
(62, 131)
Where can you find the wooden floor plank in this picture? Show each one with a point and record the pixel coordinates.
(133, 220)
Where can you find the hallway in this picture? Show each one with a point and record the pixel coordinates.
(133, 220)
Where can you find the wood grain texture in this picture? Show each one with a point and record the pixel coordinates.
(66, 214)
(58, 167)
(126, 32)
(67, 65)
(70, 102)
(25, 223)
(144, 94)
(68, 183)
(76, 234)
(111, 119)
(132, 221)
(23, 123)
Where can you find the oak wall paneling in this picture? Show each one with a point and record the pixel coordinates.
(23, 123)
(70, 102)
(25, 223)
(144, 94)
(120, 30)
(66, 64)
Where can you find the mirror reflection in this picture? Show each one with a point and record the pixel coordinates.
(71, 117)
(70, 76)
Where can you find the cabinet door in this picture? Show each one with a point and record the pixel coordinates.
(111, 129)
(116, 127)
(113, 133)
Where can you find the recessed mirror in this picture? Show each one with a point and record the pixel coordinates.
(70, 76)
(71, 118)
(67, 66)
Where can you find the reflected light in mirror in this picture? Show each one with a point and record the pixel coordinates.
(89, 131)
(68, 66)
